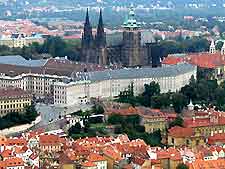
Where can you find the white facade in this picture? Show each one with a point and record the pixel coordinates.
(38, 84)
(101, 164)
(79, 92)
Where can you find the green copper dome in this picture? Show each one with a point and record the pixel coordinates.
(130, 21)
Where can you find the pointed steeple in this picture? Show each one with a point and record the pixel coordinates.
(100, 36)
(87, 37)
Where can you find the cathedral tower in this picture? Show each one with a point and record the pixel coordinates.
(100, 42)
(87, 40)
(87, 37)
(131, 51)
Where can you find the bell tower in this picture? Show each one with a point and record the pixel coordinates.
(131, 50)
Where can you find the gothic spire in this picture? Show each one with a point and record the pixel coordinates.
(100, 37)
(87, 37)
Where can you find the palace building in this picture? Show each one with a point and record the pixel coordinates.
(134, 47)
(13, 100)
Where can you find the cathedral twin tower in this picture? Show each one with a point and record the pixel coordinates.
(131, 48)
(94, 48)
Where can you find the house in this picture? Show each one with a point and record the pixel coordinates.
(216, 139)
(50, 143)
(89, 165)
(13, 163)
(34, 160)
(98, 160)
(112, 156)
(23, 153)
(199, 164)
(180, 136)
(141, 163)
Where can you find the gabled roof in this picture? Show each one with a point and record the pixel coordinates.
(7, 153)
(178, 131)
(209, 164)
(49, 139)
(14, 162)
(88, 164)
(94, 157)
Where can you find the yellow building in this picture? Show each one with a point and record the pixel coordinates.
(169, 158)
(13, 100)
(180, 136)
(152, 119)
(206, 123)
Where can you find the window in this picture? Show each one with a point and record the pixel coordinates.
(187, 142)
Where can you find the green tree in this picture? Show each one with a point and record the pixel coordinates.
(179, 102)
(76, 129)
(115, 119)
(150, 90)
(98, 109)
(161, 101)
(182, 166)
(219, 45)
(177, 122)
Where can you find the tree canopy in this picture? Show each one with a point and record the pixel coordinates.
(18, 118)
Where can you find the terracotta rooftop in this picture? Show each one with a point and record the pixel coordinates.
(16, 141)
(93, 157)
(204, 59)
(14, 162)
(172, 60)
(7, 153)
(205, 121)
(178, 131)
(49, 139)
(219, 137)
(88, 164)
(209, 164)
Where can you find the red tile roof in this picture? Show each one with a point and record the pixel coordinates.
(205, 121)
(139, 161)
(209, 164)
(49, 139)
(93, 157)
(178, 131)
(88, 164)
(14, 162)
(16, 141)
(7, 153)
(172, 60)
(220, 137)
(204, 59)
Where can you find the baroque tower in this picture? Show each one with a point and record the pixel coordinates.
(131, 50)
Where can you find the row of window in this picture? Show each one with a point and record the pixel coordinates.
(14, 101)
(13, 106)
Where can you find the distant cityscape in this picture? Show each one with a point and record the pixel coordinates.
(112, 84)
